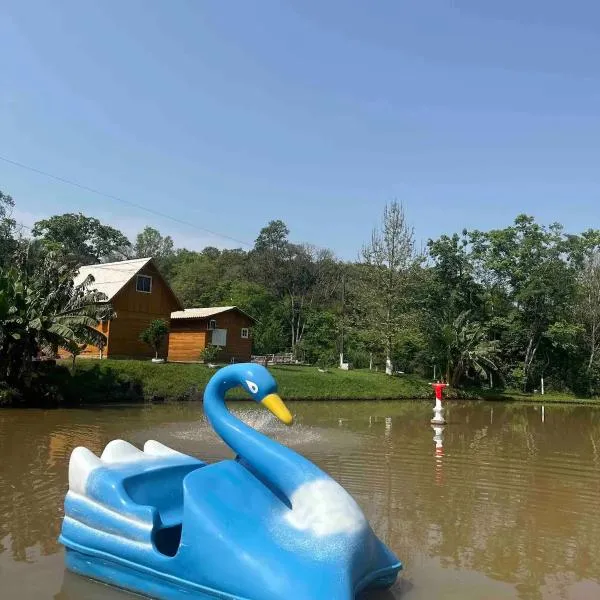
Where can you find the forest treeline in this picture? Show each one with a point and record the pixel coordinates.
(503, 307)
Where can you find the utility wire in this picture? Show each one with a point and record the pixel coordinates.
(118, 199)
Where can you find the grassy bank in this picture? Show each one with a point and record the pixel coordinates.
(108, 381)
(121, 380)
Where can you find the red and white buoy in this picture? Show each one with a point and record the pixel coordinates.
(438, 417)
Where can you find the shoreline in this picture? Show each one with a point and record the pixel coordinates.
(110, 382)
(168, 382)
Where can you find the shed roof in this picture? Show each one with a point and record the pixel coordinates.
(205, 312)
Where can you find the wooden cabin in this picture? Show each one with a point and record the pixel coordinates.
(139, 295)
(193, 329)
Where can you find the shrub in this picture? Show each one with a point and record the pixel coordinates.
(155, 335)
(210, 353)
(9, 396)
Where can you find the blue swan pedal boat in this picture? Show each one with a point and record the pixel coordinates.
(269, 525)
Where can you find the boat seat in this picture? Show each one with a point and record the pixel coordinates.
(133, 481)
(161, 488)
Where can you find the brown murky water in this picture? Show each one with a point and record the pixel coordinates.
(507, 506)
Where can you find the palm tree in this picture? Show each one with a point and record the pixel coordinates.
(467, 348)
(44, 311)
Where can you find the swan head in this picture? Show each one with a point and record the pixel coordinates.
(262, 387)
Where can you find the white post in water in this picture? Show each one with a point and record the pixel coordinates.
(543, 414)
(438, 417)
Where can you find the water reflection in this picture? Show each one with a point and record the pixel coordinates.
(438, 438)
(499, 503)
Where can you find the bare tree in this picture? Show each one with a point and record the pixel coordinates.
(388, 258)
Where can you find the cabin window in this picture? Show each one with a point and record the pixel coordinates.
(212, 324)
(245, 333)
(143, 284)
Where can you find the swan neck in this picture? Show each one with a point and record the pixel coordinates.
(278, 465)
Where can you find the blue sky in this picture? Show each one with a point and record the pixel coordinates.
(229, 114)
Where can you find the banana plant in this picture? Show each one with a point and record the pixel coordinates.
(45, 311)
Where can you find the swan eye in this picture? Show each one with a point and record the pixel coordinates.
(252, 386)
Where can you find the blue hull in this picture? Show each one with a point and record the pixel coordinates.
(134, 578)
(150, 584)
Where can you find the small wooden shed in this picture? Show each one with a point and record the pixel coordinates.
(193, 329)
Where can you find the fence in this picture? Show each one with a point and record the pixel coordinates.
(275, 359)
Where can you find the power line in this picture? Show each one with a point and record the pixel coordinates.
(119, 199)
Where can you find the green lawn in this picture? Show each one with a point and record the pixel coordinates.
(102, 381)
(133, 380)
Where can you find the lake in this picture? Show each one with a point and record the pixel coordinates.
(504, 503)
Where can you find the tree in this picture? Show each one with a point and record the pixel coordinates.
(527, 265)
(300, 276)
(310, 278)
(588, 304)
(270, 335)
(155, 334)
(194, 278)
(452, 286)
(449, 292)
(272, 238)
(150, 243)
(43, 312)
(268, 257)
(7, 229)
(467, 347)
(388, 259)
(82, 240)
(321, 336)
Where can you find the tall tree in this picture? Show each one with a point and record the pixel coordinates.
(272, 238)
(194, 278)
(588, 305)
(388, 257)
(298, 275)
(526, 263)
(450, 292)
(82, 240)
(150, 243)
(7, 229)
